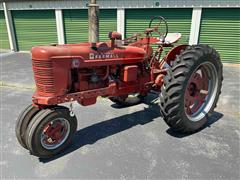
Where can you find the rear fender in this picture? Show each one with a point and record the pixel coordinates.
(171, 56)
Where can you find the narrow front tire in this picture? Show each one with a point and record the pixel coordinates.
(50, 132)
(22, 123)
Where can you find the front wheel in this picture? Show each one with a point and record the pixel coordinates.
(192, 88)
(22, 123)
(50, 131)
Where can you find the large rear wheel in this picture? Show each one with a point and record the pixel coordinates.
(192, 88)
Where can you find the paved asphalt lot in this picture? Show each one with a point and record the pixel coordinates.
(122, 143)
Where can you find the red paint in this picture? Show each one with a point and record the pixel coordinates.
(78, 72)
(130, 73)
(171, 56)
(159, 80)
(55, 132)
(196, 92)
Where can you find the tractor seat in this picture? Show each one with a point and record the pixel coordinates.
(170, 39)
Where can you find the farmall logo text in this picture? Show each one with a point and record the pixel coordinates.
(103, 56)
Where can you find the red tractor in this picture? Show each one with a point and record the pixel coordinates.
(188, 80)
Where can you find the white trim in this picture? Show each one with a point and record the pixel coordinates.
(10, 28)
(114, 4)
(60, 26)
(121, 21)
(195, 25)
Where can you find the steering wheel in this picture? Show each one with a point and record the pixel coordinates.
(156, 28)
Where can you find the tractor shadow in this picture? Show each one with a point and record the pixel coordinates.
(104, 129)
(213, 119)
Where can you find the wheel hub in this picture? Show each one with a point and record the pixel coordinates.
(55, 133)
(199, 92)
(192, 89)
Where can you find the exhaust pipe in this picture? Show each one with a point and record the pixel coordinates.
(93, 23)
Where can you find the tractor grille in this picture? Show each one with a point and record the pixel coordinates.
(43, 74)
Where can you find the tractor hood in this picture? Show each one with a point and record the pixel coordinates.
(86, 52)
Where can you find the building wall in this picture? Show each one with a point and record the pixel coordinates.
(119, 13)
(76, 4)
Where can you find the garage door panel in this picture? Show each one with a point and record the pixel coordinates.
(220, 28)
(34, 28)
(107, 23)
(179, 20)
(4, 42)
(76, 24)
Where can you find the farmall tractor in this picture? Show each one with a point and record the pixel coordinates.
(188, 80)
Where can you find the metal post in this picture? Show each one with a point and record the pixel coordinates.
(93, 22)
(195, 26)
(10, 28)
(60, 28)
(121, 21)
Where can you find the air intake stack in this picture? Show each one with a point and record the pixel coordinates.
(93, 22)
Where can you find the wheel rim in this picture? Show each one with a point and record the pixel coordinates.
(55, 133)
(201, 91)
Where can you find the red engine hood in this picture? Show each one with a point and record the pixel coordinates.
(84, 51)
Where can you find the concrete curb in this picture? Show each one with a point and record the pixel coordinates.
(6, 54)
(17, 86)
(231, 65)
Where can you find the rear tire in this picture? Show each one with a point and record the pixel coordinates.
(22, 123)
(191, 89)
(50, 132)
